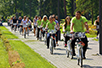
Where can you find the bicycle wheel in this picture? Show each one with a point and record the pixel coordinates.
(40, 35)
(51, 46)
(81, 59)
(67, 53)
(24, 33)
(20, 30)
(28, 31)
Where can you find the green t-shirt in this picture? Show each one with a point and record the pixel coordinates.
(39, 22)
(51, 25)
(67, 28)
(44, 23)
(78, 24)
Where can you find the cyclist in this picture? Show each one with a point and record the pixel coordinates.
(35, 24)
(24, 20)
(50, 25)
(19, 21)
(14, 21)
(38, 24)
(44, 22)
(77, 25)
(97, 26)
(11, 21)
(67, 28)
(29, 23)
(57, 28)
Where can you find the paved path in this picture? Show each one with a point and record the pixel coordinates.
(59, 58)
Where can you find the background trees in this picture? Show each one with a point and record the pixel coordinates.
(89, 8)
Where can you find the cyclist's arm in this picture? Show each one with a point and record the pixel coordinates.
(86, 25)
(71, 27)
(95, 23)
(46, 27)
(17, 21)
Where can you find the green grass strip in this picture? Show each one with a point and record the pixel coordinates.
(90, 35)
(3, 57)
(95, 39)
(7, 33)
(28, 56)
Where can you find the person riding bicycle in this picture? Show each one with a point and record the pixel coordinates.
(24, 20)
(29, 23)
(19, 21)
(57, 28)
(38, 24)
(44, 22)
(15, 21)
(11, 21)
(77, 25)
(97, 26)
(51, 26)
(66, 29)
(35, 24)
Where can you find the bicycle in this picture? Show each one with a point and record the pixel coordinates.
(52, 39)
(15, 26)
(45, 35)
(80, 45)
(26, 30)
(20, 29)
(40, 32)
(69, 52)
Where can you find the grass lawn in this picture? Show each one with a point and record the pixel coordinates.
(29, 57)
(95, 39)
(90, 35)
(7, 33)
(3, 57)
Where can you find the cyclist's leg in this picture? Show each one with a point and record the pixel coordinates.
(57, 38)
(34, 30)
(86, 45)
(66, 39)
(48, 39)
(54, 40)
(38, 32)
(73, 46)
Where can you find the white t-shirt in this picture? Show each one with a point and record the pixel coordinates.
(35, 21)
(24, 22)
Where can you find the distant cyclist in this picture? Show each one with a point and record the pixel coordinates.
(24, 20)
(44, 22)
(77, 25)
(57, 28)
(38, 24)
(67, 29)
(15, 20)
(51, 26)
(35, 23)
(97, 26)
(19, 21)
(29, 23)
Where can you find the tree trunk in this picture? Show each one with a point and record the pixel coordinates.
(64, 1)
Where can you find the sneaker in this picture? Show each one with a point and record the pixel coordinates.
(74, 54)
(57, 44)
(96, 37)
(47, 47)
(84, 57)
(65, 45)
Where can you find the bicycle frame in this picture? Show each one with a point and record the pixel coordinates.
(52, 39)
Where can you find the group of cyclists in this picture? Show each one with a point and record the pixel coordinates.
(76, 24)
